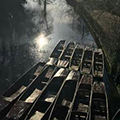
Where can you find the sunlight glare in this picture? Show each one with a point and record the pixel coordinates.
(41, 40)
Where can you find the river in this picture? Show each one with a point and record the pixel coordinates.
(60, 22)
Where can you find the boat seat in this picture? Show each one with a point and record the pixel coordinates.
(49, 73)
(44, 83)
(60, 50)
(16, 94)
(37, 116)
(37, 72)
(74, 67)
(82, 108)
(88, 61)
(99, 63)
(66, 103)
(50, 96)
(98, 117)
(63, 63)
(86, 70)
(67, 56)
(33, 96)
(76, 115)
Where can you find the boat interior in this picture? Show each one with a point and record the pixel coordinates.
(67, 54)
(98, 57)
(99, 110)
(36, 88)
(71, 45)
(31, 94)
(83, 97)
(20, 86)
(56, 53)
(64, 101)
(58, 49)
(39, 110)
(88, 55)
(76, 59)
(86, 67)
(52, 89)
(67, 93)
(78, 53)
(98, 69)
(47, 97)
(80, 108)
(75, 62)
(81, 103)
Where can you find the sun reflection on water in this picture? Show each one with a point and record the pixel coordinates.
(41, 40)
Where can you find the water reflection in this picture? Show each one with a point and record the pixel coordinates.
(38, 36)
(41, 41)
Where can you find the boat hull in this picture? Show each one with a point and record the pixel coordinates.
(10, 96)
(28, 98)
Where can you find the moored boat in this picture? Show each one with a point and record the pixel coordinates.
(80, 109)
(54, 57)
(77, 58)
(62, 106)
(48, 95)
(98, 63)
(66, 55)
(99, 102)
(86, 65)
(9, 97)
(24, 103)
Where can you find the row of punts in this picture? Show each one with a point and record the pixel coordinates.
(64, 88)
(67, 95)
(77, 57)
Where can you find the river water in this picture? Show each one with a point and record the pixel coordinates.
(60, 22)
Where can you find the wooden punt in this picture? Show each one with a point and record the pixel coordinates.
(54, 57)
(99, 102)
(86, 66)
(9, 97)
(48, 96)
(80, 109)
(77, 58)
(66, 55)
(98, 63)
(62, 106)
(24, 103)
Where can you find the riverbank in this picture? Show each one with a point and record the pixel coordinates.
(104, 26)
